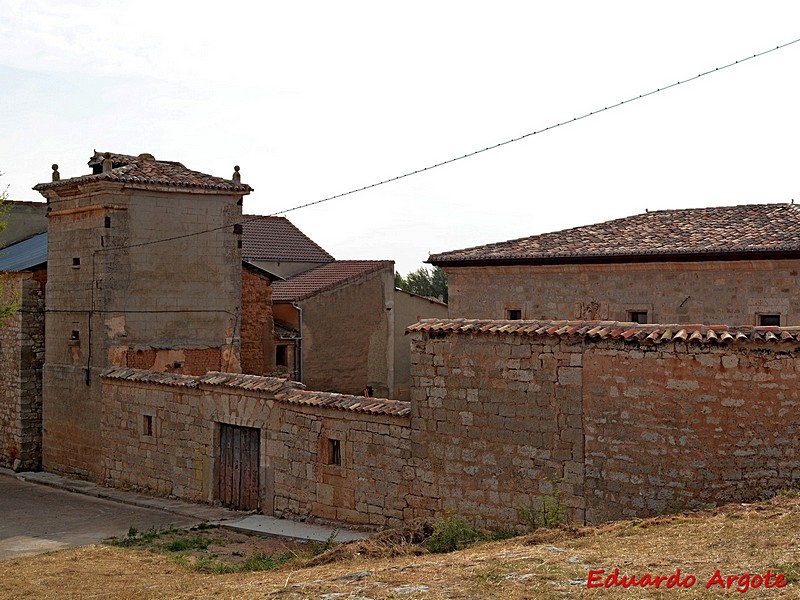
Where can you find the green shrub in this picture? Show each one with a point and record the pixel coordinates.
(452, 532)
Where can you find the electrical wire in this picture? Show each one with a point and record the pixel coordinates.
(472, 153)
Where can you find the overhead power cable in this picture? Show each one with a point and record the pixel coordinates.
(481, 150)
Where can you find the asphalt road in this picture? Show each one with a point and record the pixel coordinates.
(35, 518)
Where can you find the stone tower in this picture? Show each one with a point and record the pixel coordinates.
(133, 282)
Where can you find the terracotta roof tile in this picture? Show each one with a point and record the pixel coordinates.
(145, 170)
(747, 229)
(362, 404)
(325, 277)
(283, 390)
(276, 238)
(613, 330)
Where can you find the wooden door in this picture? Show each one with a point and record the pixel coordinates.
(239, 449)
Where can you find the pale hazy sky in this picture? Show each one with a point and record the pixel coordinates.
(316, 98)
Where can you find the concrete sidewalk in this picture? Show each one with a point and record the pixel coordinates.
(240, 521)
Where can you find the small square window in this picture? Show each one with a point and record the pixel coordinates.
(637, 316)
(769, 320)
(147, 425)
(76, 261)
(334, 452)
(513, 314)
(281, 359)
(107, 222)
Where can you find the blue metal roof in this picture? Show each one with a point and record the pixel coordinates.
(25, 254)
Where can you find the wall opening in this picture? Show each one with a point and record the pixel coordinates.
(769, 320)
(147, 425)
(638, 316)
(334, 452)
(239, 467)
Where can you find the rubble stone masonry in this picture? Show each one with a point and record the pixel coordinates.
(21, 359)
(179, 455)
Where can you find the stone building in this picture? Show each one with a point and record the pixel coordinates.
(738, 265)
(132, 281)
(338, 325)
(23, 275)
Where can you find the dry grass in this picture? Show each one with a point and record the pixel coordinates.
(551, 564)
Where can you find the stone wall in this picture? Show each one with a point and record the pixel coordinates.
(622, 420)
(606, 419)
(179, 456)
(731, 292)
(678, 425)
(21, 359)
(495, 425)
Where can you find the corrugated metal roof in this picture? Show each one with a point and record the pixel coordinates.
(25, 254)
(614, 330)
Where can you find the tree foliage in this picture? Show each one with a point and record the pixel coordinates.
(8, 297)
(424, 282)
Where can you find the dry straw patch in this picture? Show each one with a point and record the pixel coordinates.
(550, 564)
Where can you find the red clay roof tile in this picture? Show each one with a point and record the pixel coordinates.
(325, 277)
(615, 330)
(746, 229)
(276, 238)
(283, 390)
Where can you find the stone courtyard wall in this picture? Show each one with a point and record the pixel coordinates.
(607, 420)
(621, 419)
(180, 456)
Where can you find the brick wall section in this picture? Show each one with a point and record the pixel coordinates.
(21, 359)
(258, 347)
(181, 458)
(496, 421)
(187, 361)
(730, 292)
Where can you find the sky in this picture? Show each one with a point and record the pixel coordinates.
(316, 98)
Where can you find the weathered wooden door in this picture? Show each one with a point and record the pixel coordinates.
(238, 466)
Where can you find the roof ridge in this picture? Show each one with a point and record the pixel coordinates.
(641, 333)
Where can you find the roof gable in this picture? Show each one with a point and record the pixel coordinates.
(323, 278)
(276, 238)
(745, 229)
